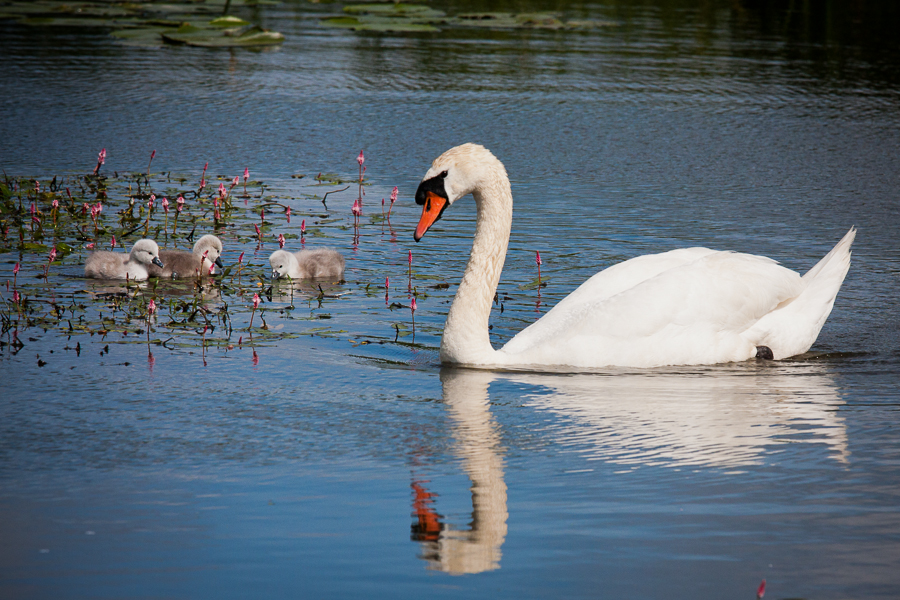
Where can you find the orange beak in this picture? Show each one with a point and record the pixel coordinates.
(431, 212)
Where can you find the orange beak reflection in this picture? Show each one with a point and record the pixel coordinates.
(431, 212)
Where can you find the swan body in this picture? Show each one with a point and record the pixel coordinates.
(117, 265)
(317, 263)
(180, 264)
(683, 307)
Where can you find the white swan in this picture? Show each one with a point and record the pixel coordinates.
(688, 306)
(318, 263)
(181, 264)
(117, 265)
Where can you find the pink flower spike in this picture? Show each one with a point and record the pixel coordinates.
(222, 191)
(165, 204)
(55, 203)
(101, 158)
(761, 591)
(33, 208)
(537, 258)
(113, 242)
(202, 183)
(387, 283)
(90, 246)
(246, 174)
(255, 301)
(152, 156)
(302, 226)
(409, 258)
(394, 195)
(16, 296)
(287, 213)
(281, 240)
(241, 258)
(258, 233)
(151, 308)
(212, 268)
(16, 269)
(360, 159)
(356, 210)
(179, 204)
(85, 208)
(412, 304)
(52, 254)
(235, 181)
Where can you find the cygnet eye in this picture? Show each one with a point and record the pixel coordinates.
(443, 174)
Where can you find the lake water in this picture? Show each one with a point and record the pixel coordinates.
(330, 455)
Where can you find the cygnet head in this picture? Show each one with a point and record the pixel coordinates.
(212, 246)
(145, 252)
(453, 174)
(282, 262)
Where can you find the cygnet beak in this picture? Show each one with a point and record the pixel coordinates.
(219, 262)
(157, 262)
(275, 274)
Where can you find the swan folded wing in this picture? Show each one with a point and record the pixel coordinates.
(692, 313)
(176, 264)
(102, 264)
(601, 286)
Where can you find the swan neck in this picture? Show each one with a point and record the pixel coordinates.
(466, 337)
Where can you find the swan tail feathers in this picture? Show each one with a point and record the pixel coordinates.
(793, 328)
(837, 261)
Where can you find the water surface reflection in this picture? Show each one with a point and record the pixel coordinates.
(477, 443)
(728, 417)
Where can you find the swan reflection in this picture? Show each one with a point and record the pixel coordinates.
(730, 416)
(477, 438)
(723, 417)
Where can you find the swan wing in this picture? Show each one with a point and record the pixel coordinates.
(680, 307)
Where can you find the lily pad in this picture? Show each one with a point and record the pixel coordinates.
(368, 23)
(223, 38)
(502, 20)
(394, 10)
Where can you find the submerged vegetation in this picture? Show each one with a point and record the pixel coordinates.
(147, 23)
(50, 227)
(209, 23)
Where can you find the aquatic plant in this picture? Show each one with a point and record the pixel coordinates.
(101, 158)
(152, 154)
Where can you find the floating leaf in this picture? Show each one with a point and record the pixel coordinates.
(394, 10)
(366, 23)
(219, 38)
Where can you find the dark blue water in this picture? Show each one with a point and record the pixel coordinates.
(334, 457)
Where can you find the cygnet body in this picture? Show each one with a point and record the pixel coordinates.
(180, 264)
(116, 265)
(318, 263)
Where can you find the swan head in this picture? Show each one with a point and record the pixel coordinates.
(281, 261)
(455, 173)
(145, 252)
(213, 248)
